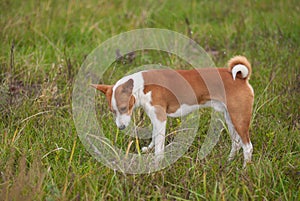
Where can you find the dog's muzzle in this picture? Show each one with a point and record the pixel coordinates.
(122, 127)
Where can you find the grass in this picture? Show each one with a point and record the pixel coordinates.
(43, 45)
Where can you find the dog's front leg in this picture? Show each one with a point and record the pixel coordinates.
(158, 119)
(150, 146)
(159, 140)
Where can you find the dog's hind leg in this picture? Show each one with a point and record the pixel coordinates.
(241, 122)
(235, 138)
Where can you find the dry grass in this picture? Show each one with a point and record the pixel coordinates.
(22, 179)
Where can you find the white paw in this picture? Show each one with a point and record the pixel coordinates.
(144, 149)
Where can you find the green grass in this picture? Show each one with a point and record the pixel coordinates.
(43, 45)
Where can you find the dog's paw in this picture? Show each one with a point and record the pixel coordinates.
(145, 149)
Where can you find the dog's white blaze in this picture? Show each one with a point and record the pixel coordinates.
(113, 102)
(239, 68)
(122, 119)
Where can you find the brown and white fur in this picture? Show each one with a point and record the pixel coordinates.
(176, 93)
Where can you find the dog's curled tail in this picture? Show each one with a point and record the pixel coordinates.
(240, 67)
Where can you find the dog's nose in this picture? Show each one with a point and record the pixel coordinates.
(122, 127)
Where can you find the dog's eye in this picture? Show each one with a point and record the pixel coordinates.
(123, 109)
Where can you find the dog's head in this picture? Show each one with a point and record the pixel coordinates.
(120, 101)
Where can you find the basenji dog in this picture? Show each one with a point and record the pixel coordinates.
(174, 93)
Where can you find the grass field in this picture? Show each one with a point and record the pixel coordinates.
(43, 44)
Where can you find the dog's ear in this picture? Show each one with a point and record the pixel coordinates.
(102, 87)
(128, 86)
